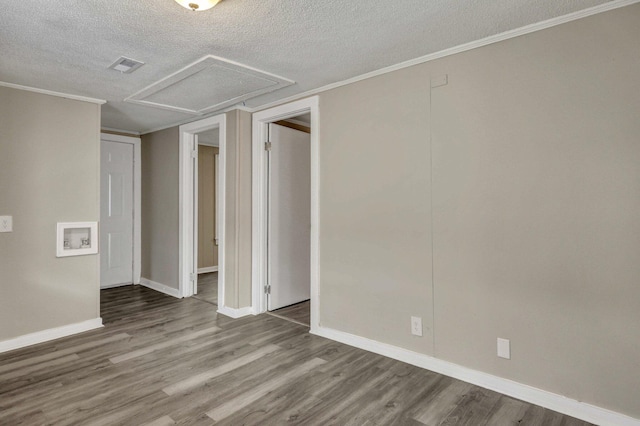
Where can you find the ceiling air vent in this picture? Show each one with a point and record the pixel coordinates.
(126, 65)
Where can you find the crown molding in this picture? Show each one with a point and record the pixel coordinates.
(123, 132)
(52, 93)
(527, 29)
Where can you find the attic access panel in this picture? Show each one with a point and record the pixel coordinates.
(208, 85)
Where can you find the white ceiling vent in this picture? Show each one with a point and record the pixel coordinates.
(208, 85)
(126, 65)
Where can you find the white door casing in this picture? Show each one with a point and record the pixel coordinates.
(188, 204)
(261, 121)
(216, 207)
(116, 213)
(289, 217)
(137, 198)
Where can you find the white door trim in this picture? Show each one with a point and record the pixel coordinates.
(137, 198)
(188, 222)
(259, 202)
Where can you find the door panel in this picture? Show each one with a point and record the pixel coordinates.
(116, 213)
(289, 217)
(116, 254)
(116, 194)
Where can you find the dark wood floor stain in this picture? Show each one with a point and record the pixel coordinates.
(163, 361)
(299, 313)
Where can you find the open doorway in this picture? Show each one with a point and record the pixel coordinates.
(285, 211)
(208, 225)
(210, 131)
(289, 219)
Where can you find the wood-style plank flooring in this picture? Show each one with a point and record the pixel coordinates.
(208, 287)
(163, 361)
(299, 313)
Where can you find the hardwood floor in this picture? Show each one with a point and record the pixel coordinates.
(299, 313)
(208, 287)
(163, 361)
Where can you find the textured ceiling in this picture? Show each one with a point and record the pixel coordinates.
(208, 85)
(67, 45)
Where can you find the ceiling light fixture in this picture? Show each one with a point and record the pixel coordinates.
(198, 5)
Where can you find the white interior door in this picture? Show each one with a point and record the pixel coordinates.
(116, 213)
(289, 222)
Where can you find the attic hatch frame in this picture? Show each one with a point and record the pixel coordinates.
(188, 205)
(261, 121)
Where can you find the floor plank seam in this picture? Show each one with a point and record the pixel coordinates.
(171, 367)
(287, 319)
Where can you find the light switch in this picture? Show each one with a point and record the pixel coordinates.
(6, 224)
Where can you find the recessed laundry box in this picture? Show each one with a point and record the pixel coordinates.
(77, 238)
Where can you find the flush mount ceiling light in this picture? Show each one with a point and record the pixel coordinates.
(198, 5)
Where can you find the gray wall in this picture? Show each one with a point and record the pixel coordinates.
(160, 167)
(49, 173)
(375, 209)
(238, 210)
(160, 187)
(207, 248)
(518, 181)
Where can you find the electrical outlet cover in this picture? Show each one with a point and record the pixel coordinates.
(416, 326)
(6, 224)
(504, 348)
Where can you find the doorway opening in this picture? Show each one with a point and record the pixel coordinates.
(211, 132)
(285, 225)
(120, 203)
(207, 212)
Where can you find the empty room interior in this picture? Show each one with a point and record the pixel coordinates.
(239, 212)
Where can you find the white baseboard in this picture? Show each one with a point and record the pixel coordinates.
(114, 285)
(207, 269)
(235, 313)
(50, 334)
(552, 401)
(160, 287)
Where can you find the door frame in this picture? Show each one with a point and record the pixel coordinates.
(137, 192)
(259, 195)
(188, 205)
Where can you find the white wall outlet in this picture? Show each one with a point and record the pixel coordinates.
(504, 348)
(6, 224)
(416, 326)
